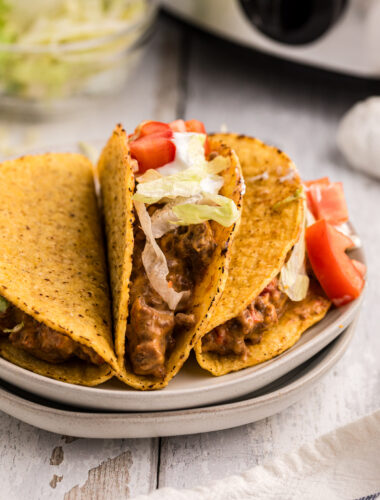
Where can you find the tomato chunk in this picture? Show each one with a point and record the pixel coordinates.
(323, 181)
(195, 126)
(151, 127)
(198, 126)
(152, 151)
(178, 126)
(151, 146)
(328, 202)
(335, 271)
(343, 241)
(360, 267)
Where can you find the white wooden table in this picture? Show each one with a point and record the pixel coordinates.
(189, 74)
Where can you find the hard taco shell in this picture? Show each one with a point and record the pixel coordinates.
(52, 263)
(269, 229)
(116, 177)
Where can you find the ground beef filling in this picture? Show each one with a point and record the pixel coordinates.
(41, 341)
(234, 336)
(153, 327)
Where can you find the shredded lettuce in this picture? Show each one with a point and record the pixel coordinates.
(4, 304)
(224, 212)
(6, 30)
(190, 174)
(293, 278)
(184, 184)
(53, 24)
(148, 176)
(217, 165)
(165, 220)
(195, 210)
(154, 261)
(297, 194)
(187, 183)
(66, 21)
(15, 329)
(188, 187)
(190, 190)
(192, 183)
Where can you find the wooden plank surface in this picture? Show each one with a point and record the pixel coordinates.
(40, 465)
(187, 73)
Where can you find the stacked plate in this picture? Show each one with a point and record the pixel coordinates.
(193, 402)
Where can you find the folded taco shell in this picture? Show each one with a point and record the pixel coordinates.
(117, 184)
(52, 263)
(269, 229)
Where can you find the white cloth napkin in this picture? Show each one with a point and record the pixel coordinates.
(344, 464)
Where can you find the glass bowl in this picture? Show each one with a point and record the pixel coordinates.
(36, 78)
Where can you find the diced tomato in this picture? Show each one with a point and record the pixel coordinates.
(343, 241)
(198, 126)
(178, 126)
(360, 267)
(335, 271)
(152, 151)
(156, 128)
(207, 147)
(323, 181)
(219, 335)
(151, 146)
(188, 126)
(328, 202)
(195, 126)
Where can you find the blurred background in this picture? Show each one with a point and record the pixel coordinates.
(285, 71)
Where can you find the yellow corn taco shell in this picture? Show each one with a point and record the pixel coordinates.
(52, 263)
(269, 229)
(117, 184)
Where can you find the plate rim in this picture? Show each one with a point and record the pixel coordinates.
(244, 374)
(287, 395)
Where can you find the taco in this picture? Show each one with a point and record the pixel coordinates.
(55, 314)
(172, 202)
(270, 299)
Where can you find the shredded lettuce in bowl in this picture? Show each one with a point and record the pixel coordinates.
(42, 22)
(38, 55)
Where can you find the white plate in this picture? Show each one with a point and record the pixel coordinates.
(283, 393)
(192, 387)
